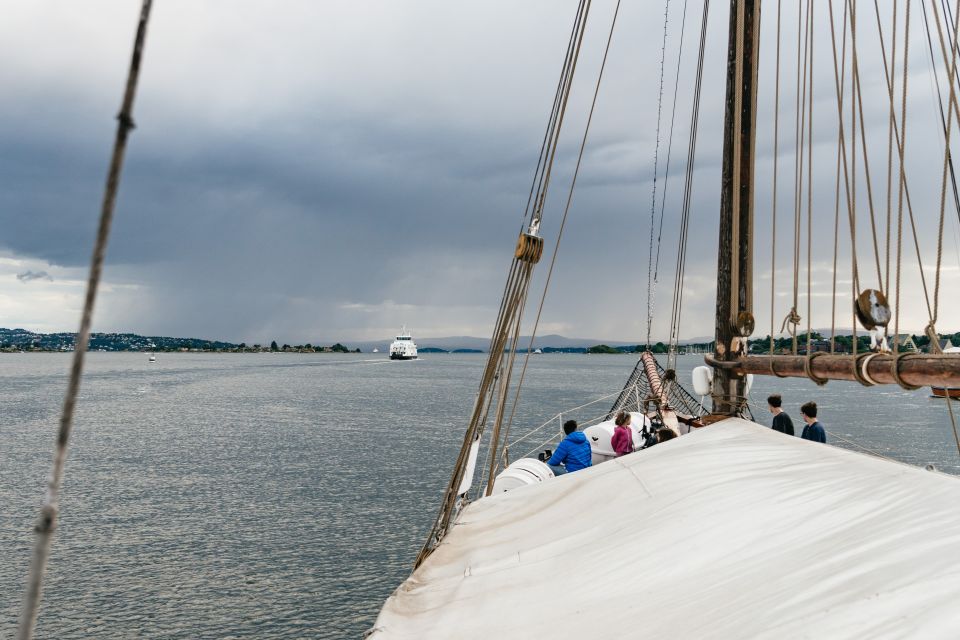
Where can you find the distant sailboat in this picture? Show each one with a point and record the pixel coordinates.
(152, 358)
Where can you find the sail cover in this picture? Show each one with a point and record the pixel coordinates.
(733, 531)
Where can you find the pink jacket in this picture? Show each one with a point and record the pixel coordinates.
(622, 441)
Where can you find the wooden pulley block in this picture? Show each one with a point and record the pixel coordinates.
(872, 309)
(745, 324)
(529, 248)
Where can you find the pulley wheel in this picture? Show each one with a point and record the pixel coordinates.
(745, 324)
(872, 309)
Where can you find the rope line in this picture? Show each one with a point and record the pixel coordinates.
(810, 181)
(776, 158)
(799, 136)
(677, 303)
(943, 189)
(651, 282)
(49, 511)
(836, 212)
(943, 119)
(673, 115)
(563, 224)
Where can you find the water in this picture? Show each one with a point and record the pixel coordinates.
(283, 496)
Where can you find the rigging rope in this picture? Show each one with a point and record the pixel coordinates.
(858, 104)
(943, 119)
(943, 188)
(901, 187)
(889, 77)
(548, 135)
(799, 121)
(776, 158)
(529, 249)
(673, 115)
(651, 282)
(47, 521)
(836, 211)
(677, 303)
(809, 177)
(556, 247)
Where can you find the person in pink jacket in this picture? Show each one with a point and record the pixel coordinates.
(622, 441)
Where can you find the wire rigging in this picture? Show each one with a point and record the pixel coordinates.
(651, 281)
(677, 303)
(673, 115)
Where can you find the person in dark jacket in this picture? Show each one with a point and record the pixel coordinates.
(573, 452)
(781, 421)
(814, 430)
(665, 433)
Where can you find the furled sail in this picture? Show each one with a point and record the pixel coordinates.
(731, 531)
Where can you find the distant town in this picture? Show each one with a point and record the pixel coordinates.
(20, 340)
(23, 340)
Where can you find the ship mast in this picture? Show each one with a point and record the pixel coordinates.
(734, 320)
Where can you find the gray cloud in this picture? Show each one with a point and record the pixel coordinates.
(345, 170)
(29, 276)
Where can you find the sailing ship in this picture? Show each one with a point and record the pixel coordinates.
(403, 347)
(732, 530)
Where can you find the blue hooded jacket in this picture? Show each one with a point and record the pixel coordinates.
(573, 452)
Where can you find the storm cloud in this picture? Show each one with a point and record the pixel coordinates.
(332, 171)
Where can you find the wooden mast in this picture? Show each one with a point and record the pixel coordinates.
(734, 321)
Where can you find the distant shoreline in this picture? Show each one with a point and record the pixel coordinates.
(22, 340)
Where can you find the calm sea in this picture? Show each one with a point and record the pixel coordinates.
(285, 496)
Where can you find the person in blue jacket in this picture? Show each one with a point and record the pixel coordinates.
(814, 430)
(573, 452)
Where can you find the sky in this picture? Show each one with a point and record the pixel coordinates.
(322, 171)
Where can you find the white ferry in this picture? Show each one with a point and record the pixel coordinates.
(403, 348)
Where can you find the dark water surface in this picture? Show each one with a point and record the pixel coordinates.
(285, 496)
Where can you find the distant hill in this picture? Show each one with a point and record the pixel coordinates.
(23, 339)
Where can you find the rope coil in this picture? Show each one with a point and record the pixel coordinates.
(773, 369)
(808, 368)
(895, 371)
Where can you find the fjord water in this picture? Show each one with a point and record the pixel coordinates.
(285, 495)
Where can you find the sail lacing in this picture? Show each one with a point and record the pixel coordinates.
(47, 521)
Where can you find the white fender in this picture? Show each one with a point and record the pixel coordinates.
(599, 436)
(702, 380)
(521, 473)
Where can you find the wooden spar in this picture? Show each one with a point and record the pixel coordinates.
(914, 370)
(653, 377)
(734, 320)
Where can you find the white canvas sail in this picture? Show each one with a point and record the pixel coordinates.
(733, 531)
